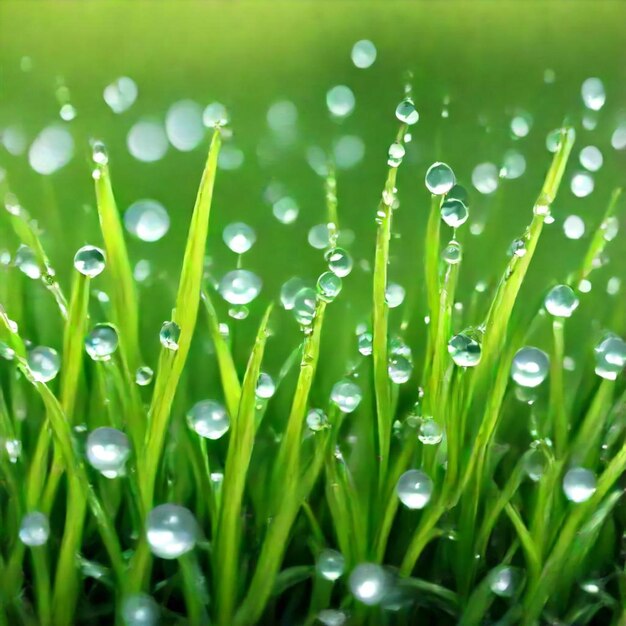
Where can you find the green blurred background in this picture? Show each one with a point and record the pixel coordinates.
(488, 58)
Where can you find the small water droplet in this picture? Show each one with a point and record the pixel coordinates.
(304, 306)
(579, 484)
(147, 220)
(101, 342)
(330, 564)
(26, 261)
(144, 375)
(140, 609)
(399, 369)
(215, 115)
(147, 141)
(593, 94)
(407, 113)
(183, 125)
(107, 451)
(340, 101)
(90, 261)
(208, 419)
(51, 150)
(582, 184)
(339, 262)
(395, 154)
(289, 291)
(414, 489)
(265, 386)
(121, 94)
(485, 178)
(535, 465)
(610, 356)
(430, 432)
(365, 343)
(591, 158)
(328, 286)
(239, 237)
(452, 253)
(504, 581)
(286, 210)
(316, 420)
(573, 227)
(369, 583)
(169, 335)
(394, 295)
(172, 531)
(465, 348)
(454, 213)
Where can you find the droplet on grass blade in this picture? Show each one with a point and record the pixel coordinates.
(485, 178)
(169, 335)
(452, 253)
(330, 564)
(465, 348)
(304, 306)
(265, 386)
(239, 237)
(347, 395)
(289, 291)
(171, 531)
(369, 583)
(147, 220)
(107, 451)
(143, 375)
(99, 153)
(208, 419)
(454, 213)
(332, 617)
(101, 342)
(365, 343)
(504, 580)
(535, 465)
(399, 369)
(339, 262)
(430, 432)
(44, 363)
(610, 356)
(407, 113)
(140, 609)
(561, 301)
(414, 489)
(26, 261)
(363, 54)
(328, 286)
(530, 367)
(240, 287)
(395, 154)
(319, 236)
(394, 295)
(316, 420)
(90, 261)
(579, 484)
(439, 178)
(184, 126)
(215, 115)
(34, 529)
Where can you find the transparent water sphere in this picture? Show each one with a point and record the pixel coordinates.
(394, 295)
(107, 451)
(183, 125)
(454, 213)
(215, 115)
(304, 306)
(430, 432)
(452, 253)
(330, 564)
(340, 101)
(208, 419)
(369, 583)
(316, 420)
(504, 580)
(365, 343)
(286, 210)
(44, 363)
(414, 489)
(465, 348)
(328, 286)
(169, 335)
(591, 158)
(171, 531)
(289, 291)
(593, 94)
(121, 94)
(395, 154)
(101, 342)
(265, 386)
(363, 54)
(240, 287)
(239, 237)
(332, 617)
(610, 356)
(535, 464)
(573, 227)
(561, 301)
(34, 529)
(26, 261)
(513, 165)
(399, 369)
(439, 178)
(147, 220)
(347, 395)
(579, 484)
(52, 149)
(530, 367)
(582, 184)
(407, 113)
(140, 609)
(319, 236)
(485, 178)
(147, 141)
(144, 375)
(339, 262)
(90, 261)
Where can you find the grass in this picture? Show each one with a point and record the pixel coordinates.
(269, 499)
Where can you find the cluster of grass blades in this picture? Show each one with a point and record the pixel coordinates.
(114, 510)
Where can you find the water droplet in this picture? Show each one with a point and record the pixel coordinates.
(340, 101)
(369, 583)
(13, 449)
(169, 335)
(282, 117)
(414, 489)
(439, 178)
(26, 261)
(399, 369)
(591, 158)
(394, 295)
(121, 94)
(319, 236)
(143, 375)
(593, 93)
(613, 285)
(346, 395)
(579, 484)
(332, 617)
(67, 112)
(407, 113)
(591, 586)
(107, 451)
(535, 465)
(618, 138)
(330, 564)
(610, 228)
(286, 210)
(51, 150)
(465, 348)
(520, 125)
(454, 213)
(14, 140)
(34, 529)
(574, 227)
(316, 420)
(430, 432)
(147, 141)
(530, 367)
(610, 356)
(485, 178)
(265, 386)
(452, 253)
(365, 343)
(215, 115)
(518, 248)
(395, 154)
(513, 165)
(363, 54)
(44, 363)
(561, 301)
(584, 286)
(239, 312)
(99, 154)
(504, 580)
(239, 237)
(339, 262)
(304, 306)
(172, 531)
(147, 220)
(230, 158)
(328, 286)
(140, 609)
(90, 261)
(289, 291)
(582, 184)
(348, 151)
(240, 287)
(183, 125)
(208, 419)
(101, 342)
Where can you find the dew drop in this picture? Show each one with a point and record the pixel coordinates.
(582, 184)
(574, 227)
(485, 178)
(521, 125)
(395, 154)
(172, 531)
(239, 237)
(51, 150)
(286, 210)
(414, 489)
(319, 236)
(348, 151)
(265, 386)
(147, 141)
(399, 369)
(44, 363)
(504, 581)
(289, 291)
(465, 348)
(90, 261)
(328, 286)
(339, 262)
(346, 395)
(618, 138)
(26, 261)
(363, 54)
(332, 617)
(330, 564)
(147, 220)
(107, 451)
(304, 306)
(183, 125)
(530, 367)
(610, 356)
(316, 420)
(365, 343)
(561, 301)
(439, 178)
(140, 610)
(369, 583)
(513, 165)
(430, 432)
(34, 529)
(579, 484)
(240, 287)
(208, 419)
(340, 101)
(144, 375)
(169, 335)
(591, 158)
(101, 342)
(452, 253)
(454, 213)
(121, 94)
(593, 93)
(215, 115)
(407, 113)
(535, 465)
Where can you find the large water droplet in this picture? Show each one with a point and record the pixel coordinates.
(339, 262)
(26, 261)
(513, 165)
(316, 420)
(573, 227)
(52, 149)
(147, 141)
(439, 178)
(215, 115)
(579, 484)
(319, 236)
(399, 369)
(107, 451)
(394, 295)
(328, 286)
(347, 395)
(465, 348)
(430, 432)
(90, 261)
(183, 125)
(582, 184)
(208, 419)
(34, 529)
(171, 530)
(504, 580)
(240, 287)
(265, 386)
(561, 301)
(330, 564)
(535, 465)
(289, 291)
(369, 583)
(591, 158)
(147, 220)
(286, 210)
(44, 363)
(239, 237)
(414, 489)
(140, 609)
(101, 342)
(363, 54)
(454, 213)
(530, 367)
(406, 112)
(593, 93)
(340, 101)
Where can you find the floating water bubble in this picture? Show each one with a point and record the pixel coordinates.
(34, 529)
(579, 484)
(399, 369)
(414, 489)
(369, 583)
(535, 465)
(208, 419)
(239, 237)
(618, 138)
(465, 348)
(265, 386)
(143, 375)
(504, 581)
(530, 367)
(330, 564)
(339, 262)
(328, 286)
(304, 306)
(319, 236)
(346, 395)
(230, 158)
(51, 150)
(485, 178)
(582, 184)
(561, 301)
(90, 261)
(147, 141)
(215, 115)
(574, 227)
(183, 125)
(101, 342)
(340, 101)
(363, 54)
(430, 432)
(332, 617)
(289, 291)
(240, 287)
(26, 261)
(286, 210)
(172, 531)
(147, 220)
(169, 335)
(348, 151)
(593, 93)
(439, 178)
(591, 158)
(394, 295)
(140, 609)
(121, 94)
(452, 253)
(407, 113)
(316, 420)
(107, 451)
(44, 363)
(610, 356)
(513, 165)
(365, 343)
(520, 125)
(454, 213)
